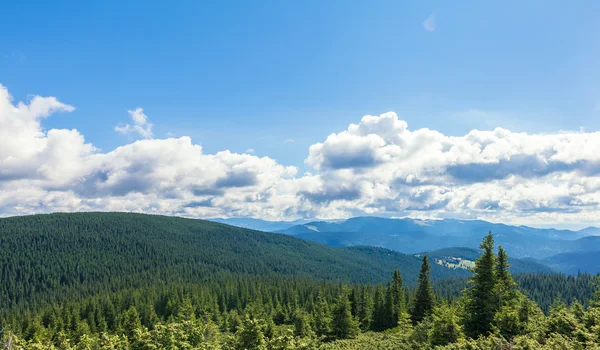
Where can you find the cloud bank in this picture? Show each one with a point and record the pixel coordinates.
(376, 167)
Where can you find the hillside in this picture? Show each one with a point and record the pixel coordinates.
(49, 257)
(464, 258)
(574, 262)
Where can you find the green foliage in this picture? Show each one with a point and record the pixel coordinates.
(423, 302)
(445, 326)
(231, 301)
(51, 258)
(343, 324)
(482, 301)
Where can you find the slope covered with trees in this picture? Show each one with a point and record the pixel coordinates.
(48, 258)
(462, 257)
(290, 312)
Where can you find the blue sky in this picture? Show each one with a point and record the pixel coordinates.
(269, 71)
(278, 77)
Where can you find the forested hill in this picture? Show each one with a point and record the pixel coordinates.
(461, 257)
(49, 257)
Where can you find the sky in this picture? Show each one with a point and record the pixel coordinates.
(303, 109)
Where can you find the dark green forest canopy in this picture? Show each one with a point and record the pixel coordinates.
(47, 258)
(144, 281)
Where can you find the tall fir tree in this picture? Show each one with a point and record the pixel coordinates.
(389, 314)
(481, 295)
(378, 318)
(398, 296)
(322, 317)
(423, 303)
(343, 325)
(505, 282)
(365, 310)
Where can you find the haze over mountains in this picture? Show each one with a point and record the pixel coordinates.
(562, 250)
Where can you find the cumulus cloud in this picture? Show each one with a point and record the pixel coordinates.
(481, 174)
(140, 126)
(378, 166)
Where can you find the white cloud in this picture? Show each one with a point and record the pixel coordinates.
(289, 141)
(249, 151)
(375, 167)
(429, 23)
(482, 174)
(140, 125)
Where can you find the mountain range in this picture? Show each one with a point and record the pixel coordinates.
(566, 251)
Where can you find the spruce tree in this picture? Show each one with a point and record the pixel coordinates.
(389, 310)
(398, 295)
(131, 322)
(481, 296)
(343, 325)
(423, 303)
(322, 317)
(365, 310)
(506, 285)
(250, 335)
(378, 319)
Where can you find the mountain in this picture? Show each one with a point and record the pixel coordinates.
(44, 258)
(413, 236)
(574, 262)
(590, 231)
(260, 225)
(464, 258)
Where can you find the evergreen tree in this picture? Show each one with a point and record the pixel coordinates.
(322, 317)
(131, 322)
(423, 302)
(343, 325)
(250, 335)
(389, 315)
(378, 319)
(301, 324)
(481, 299)
(505, 282)
(398, 295)
(365, 309)
(445, 326)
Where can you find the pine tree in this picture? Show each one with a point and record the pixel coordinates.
(445, 326)
(503, 276)
(378, 319)
(322, 317)
(131, 322)
(423, 303)
(343, 325)
(365, 310)
(481, 296)
(389, 310)
(250, 335)
(398, 295)
(301, 324)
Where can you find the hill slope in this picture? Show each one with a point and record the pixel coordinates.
(460, 257)
(47, 257)
(574, 262)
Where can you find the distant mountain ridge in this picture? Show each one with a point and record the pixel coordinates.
(258, 224)
(411, 236)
